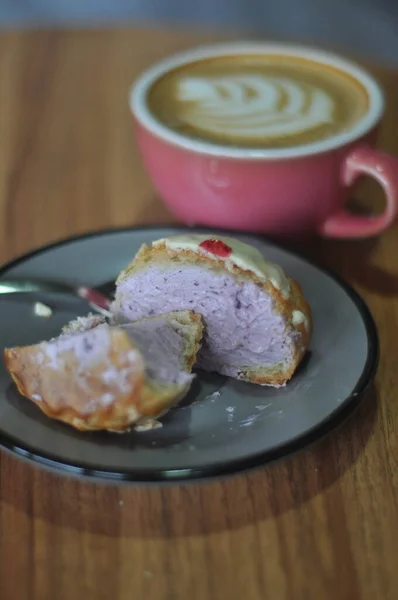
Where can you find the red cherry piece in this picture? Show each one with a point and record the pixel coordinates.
(216, 247)
(93, 296)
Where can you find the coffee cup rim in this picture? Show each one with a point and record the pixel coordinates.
(140, 110)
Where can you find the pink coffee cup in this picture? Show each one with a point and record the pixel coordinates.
(286, 191)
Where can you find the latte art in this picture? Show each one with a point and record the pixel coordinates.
(257, 101)
(253, 105)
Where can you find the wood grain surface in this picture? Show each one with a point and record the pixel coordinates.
(322, 524)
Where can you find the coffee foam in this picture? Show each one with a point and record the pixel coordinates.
(164, 124)
(253, 106)
(259, 100)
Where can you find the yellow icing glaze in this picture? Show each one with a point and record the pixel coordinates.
(298, 317)
(243, 256)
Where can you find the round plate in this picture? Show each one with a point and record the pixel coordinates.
(240, 426)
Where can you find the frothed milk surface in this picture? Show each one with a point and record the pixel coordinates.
(264, 101)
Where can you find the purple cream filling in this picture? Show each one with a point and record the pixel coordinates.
(162, 348)
(88, 346)
(242, 329)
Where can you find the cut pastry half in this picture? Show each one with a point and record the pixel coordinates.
(257, 321)
(96, 376)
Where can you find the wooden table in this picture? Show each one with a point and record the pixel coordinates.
(322, 524)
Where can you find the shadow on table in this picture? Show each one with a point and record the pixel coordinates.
(191, 509)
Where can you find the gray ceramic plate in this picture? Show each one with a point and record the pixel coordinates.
(239, 426)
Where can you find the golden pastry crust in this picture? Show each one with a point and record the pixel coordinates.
(294, 309)
(87, 400)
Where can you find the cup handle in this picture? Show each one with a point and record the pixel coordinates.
(364, 160)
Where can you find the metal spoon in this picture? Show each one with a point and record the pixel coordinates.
(96, 299)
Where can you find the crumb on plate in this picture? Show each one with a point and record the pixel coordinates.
(42, 310)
